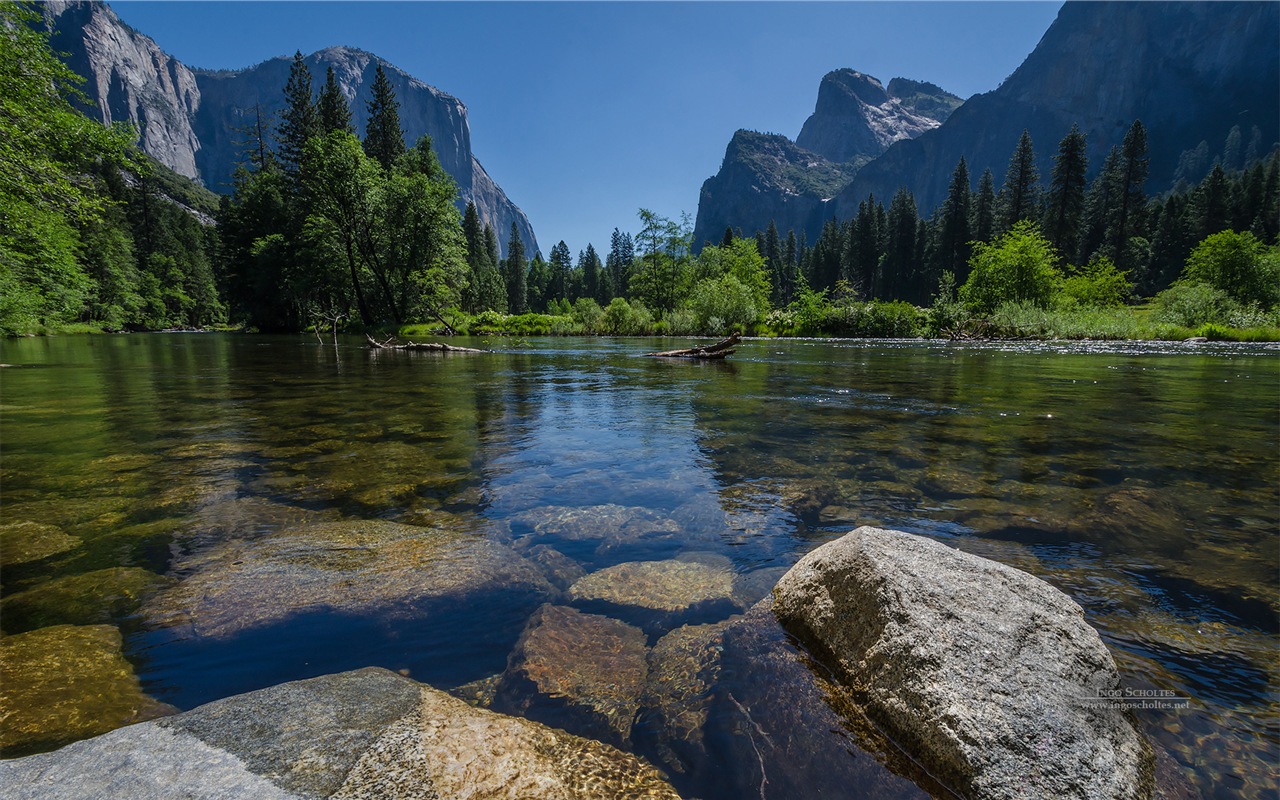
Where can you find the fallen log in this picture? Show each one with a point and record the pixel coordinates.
(721, 349)
(438, 347)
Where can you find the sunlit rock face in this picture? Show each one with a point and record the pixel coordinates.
(1189, 71)
(363, 734)
(988, 676)
(193, 121)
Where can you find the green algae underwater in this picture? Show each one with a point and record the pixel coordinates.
(188, 516)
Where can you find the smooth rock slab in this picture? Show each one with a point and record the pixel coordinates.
(671, 586)
(354, 735)
(353, 566)
(24, 542)
(980, 671)
(66, 682)
(90, 598)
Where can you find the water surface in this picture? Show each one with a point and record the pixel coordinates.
(1140, 479)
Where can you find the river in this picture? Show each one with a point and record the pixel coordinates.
(1139, 478)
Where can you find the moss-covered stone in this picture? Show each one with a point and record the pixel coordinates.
(96, 597)
(66, 682)
(24, 542)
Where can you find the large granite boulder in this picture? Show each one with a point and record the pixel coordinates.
(364, 734)
(987, 675)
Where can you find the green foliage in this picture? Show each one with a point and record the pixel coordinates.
(1192, 304)
(588, 313)
(1099, 284)
(724, 304)
(383, 136)
(1239, 265)
(741, 260)
(627, 319)
(1018, 266)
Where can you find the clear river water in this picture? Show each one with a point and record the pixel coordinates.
(247, 510)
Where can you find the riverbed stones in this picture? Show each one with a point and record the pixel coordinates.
(354, 566)
(584, 673)
(671, 585)
(363, 734)
(980, 671)
(26, 541)
(684, 666)
(66, 682)
(96, 597)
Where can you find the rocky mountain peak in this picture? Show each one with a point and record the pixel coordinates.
(856, 117)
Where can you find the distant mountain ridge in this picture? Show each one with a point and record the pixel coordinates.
(1189, 70)
(767, 177)
(192, 120)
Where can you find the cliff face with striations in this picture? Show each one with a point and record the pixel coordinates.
(1189, 71)
(767, 177)
(193, 120)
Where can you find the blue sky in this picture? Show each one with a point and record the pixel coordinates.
(586, 111)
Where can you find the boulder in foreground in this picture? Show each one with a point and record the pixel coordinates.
(363, 734)
(982, 672)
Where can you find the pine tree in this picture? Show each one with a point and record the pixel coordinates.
(335, 114)
(1126, 220)
(984, 209)
(824, 261)
(773, 264)
(953, 249)
(1019, 197)
(477, 259)
(727, 239)
(621, 260)
(537, 280)
(299, 120)
(1099, 206)
(561, 267)
(1065, 204)
(514, 272)
(594, 282)
(383, 136)
(898, 266)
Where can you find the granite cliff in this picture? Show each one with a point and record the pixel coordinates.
(1189, 71)
(190, 119)
(767, 177)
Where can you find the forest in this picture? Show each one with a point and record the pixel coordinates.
(328, 230)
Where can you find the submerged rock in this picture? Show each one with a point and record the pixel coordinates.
(683, 669)
(672, 585)
(600, 529)
(24, 542)
(353, 566)
(90, 598)
(580, 672)
(66, 682)
(982, 672)
(363, 734)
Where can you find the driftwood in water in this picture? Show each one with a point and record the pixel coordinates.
(438, 347)
(721, 349)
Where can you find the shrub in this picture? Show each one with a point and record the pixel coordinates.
(1017, 266)
(1192, 304)
(1239, 265)
(724, 300)
(1098, 284)
(589, 315)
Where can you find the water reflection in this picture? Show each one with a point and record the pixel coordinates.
(1139, 479)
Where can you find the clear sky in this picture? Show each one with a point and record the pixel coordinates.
(584, 112)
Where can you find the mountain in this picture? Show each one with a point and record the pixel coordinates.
(1189, 70)
(767, 177)
(193, 120)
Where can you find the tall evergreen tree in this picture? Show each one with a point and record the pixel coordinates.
(537, 282)
(1019, 196)
(952, 251)
(621, 260)
(299, 120)
(727, 239)
(594, 278)
(335, 114)
(1126, 220)
(383, 136)
(984, 209)
(1065, 203)
(1099, 206)
(477, 260)
(514, 270)
(898, 266)
(561, 268)
(772, 253)
(824, 261)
